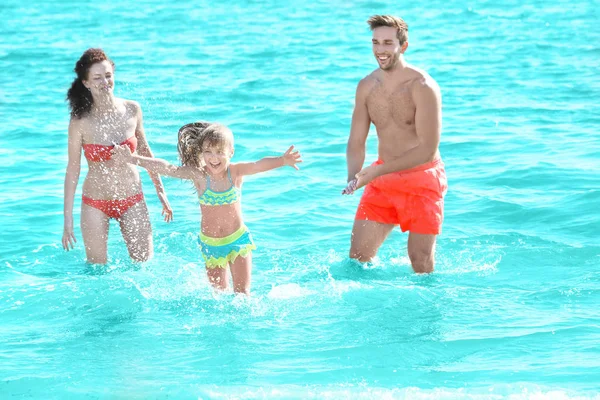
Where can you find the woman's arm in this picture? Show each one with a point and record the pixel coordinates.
(143, 149)
(290, 158)
(75, 141)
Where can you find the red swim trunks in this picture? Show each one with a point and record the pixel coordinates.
(412, 198)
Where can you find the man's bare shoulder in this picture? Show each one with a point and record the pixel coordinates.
(368, 82)
(373, 78)
(421, 81)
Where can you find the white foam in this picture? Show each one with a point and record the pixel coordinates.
(289, 291)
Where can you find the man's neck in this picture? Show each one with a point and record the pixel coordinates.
(397, 69)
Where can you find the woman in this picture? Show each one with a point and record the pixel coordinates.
(99, 120)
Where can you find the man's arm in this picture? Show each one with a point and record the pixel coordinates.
(428, 125)
(359, 130)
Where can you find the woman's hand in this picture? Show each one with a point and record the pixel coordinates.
(292, 158)
(167, 212)
(68, 238)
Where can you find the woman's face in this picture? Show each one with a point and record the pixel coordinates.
(100, 81)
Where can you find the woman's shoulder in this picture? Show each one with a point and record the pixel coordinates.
(79, 124)
(131, 106)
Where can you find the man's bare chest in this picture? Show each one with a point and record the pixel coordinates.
(393, 105)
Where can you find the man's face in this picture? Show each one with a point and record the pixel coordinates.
(386, 47)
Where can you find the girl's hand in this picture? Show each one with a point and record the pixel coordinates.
(68, 238)
(167, 212)
(121, 154)
(292, 158)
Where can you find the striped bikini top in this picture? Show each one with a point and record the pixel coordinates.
(213, 198)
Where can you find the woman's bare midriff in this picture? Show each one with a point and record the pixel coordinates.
(107, 180)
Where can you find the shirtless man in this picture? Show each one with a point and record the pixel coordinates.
(407, 184)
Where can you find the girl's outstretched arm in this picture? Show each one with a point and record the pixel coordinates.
(154, 165)
(290, 157)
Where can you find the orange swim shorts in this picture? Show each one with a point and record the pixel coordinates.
(412, 198)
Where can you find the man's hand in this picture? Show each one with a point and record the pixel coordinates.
(367, 174)
(361, 179)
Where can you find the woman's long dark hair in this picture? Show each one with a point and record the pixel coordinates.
(79, 97)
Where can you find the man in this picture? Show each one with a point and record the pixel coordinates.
(407, 184)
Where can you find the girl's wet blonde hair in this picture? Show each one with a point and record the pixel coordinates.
(192, 138)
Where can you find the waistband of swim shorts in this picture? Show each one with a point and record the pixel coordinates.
(422, 167)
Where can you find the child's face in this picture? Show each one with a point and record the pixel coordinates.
(216, 158)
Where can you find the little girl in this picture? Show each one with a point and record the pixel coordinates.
(205, 150)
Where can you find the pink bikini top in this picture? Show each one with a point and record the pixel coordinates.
(100, 152)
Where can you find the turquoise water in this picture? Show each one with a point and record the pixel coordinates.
(512, 310)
